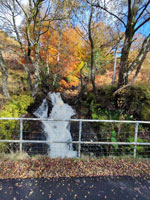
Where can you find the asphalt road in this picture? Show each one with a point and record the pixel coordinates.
(91, 188)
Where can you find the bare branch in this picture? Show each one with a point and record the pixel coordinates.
(144, 22)
(144, 50)
(134, 77)
(21, 8)
(144, 8)
(106, 10)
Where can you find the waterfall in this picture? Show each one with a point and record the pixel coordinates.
(57, 131)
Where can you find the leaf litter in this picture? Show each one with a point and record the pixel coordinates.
(56, 168)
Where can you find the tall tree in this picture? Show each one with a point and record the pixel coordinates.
(33, 23)
(99, 39)
(8, 23)
(92, 50)
(65, 54)
(34, 14)
(136, 15)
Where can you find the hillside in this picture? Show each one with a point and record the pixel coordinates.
(11, 54)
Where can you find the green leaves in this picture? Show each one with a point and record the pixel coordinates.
(140, 149)
(114, 133)
(95, 116)
(16, 107)
(114, 139)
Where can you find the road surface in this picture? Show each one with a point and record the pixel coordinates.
(89, 188)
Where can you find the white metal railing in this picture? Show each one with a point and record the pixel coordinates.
(79, 142)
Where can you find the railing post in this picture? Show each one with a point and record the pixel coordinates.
(135, 138)
(21, 134)
(79, 146)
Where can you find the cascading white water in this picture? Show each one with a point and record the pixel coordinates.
(57, 131)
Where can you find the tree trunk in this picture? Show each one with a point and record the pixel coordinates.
(123, 66)
(36, 36)
(137, 63)
(27, 56)
(92, 52)
(27, 70)
(129, 34)
(115, 66)
(4, 77)
(36, 75)
(58, 55)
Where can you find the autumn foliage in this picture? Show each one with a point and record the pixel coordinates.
(63, 52)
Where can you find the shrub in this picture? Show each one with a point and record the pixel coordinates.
(135, 106)
(15, 108)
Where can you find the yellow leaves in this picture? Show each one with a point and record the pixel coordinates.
(80, 66)
(132, 55)
(64, 51)
(73, 80)
(53, 51)
(101, 34)
(15, 108)
(6, 40)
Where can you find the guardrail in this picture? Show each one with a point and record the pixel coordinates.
(79, 142)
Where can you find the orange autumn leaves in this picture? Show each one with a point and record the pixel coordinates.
(64, 51)
(66, 54)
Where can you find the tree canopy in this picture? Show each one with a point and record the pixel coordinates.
(69, 43)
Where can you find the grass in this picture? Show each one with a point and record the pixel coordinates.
(14, 83)
(14, 156)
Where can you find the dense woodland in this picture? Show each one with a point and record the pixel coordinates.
(96, 53)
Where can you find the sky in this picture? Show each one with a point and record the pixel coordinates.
(145, 30)
(20, 18)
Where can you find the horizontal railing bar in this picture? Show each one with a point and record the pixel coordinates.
(77, 120)
(74, 142)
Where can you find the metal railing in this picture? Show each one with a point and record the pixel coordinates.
(135, 143)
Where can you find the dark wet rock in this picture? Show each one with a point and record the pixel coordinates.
(87, 134)
(37, 102)
(33, 130)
